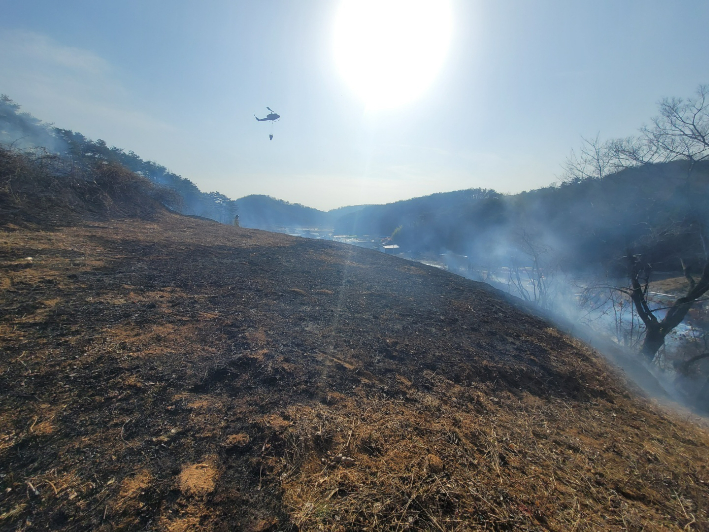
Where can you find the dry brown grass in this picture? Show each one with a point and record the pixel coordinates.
(514, 464)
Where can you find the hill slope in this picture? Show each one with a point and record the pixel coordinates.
(170, 373)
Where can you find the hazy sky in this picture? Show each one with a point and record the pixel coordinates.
(178, 82)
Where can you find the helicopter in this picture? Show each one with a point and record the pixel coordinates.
(272, 116)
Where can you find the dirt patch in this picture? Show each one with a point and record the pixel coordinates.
(134, 485)
(198, 479)
(181, 524)
(275, 422)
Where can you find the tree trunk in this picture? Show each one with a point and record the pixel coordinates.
(656, 331)
(653, 341)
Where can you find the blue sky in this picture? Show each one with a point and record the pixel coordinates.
(179, 82)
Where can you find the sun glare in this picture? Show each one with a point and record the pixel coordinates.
(390, 51)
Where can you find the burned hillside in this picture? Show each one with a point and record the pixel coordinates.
(43, 189)
(169, 373)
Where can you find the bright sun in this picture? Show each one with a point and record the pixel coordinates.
(390, 51)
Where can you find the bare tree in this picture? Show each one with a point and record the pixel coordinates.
(604, 304)
(678, 133)
(594, 160)
(537, 285)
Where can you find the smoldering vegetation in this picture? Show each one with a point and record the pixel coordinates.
(20, 130)
(179, 374)
(565, 249)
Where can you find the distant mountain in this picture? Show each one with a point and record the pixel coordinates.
(659, 211)
(382, 220)
(341, 211)
(265, 212)
(334, 214)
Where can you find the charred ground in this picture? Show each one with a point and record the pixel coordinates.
(170, 373)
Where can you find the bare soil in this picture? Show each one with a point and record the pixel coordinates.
(175, 374)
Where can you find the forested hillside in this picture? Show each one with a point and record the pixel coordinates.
(265, 212)
(660, 210)
(382, 220)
